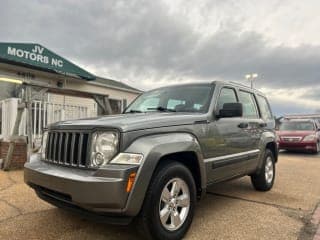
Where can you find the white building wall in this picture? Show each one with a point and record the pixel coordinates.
(49, 79)
(88, 103)
(98, 88)
(49, 109)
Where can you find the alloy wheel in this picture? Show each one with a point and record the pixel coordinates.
(269, 171)
(174, 204)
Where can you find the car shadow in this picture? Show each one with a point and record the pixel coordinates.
(89, 228)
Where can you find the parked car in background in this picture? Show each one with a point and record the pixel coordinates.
(299, 134)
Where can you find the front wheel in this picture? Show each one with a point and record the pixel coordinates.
(263, 181)
(169, 203)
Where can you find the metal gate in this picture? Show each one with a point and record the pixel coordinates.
(43, 113)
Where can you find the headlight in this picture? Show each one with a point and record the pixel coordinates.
(104, 147)
(44, 144)
(309, 138)
(127, 158)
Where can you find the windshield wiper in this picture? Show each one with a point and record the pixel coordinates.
(134, 111)
(162, 109)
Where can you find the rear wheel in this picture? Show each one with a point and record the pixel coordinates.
(263, 181)
(169, 203)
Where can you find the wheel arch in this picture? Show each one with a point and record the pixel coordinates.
(188, 159)
(157, 149)
(272, 146)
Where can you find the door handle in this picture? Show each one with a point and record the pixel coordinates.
(243, 125)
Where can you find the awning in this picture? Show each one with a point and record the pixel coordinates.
(35, 55)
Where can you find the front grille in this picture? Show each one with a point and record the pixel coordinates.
(68, 148)
(291, 139)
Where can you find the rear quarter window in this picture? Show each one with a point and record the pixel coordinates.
(264, 107)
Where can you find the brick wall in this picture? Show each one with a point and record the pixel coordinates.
(19, 154)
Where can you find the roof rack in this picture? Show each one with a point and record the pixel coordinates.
(298, 119)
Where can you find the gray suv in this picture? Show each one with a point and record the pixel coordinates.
(153, 162)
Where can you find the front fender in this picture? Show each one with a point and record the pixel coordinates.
(153, 148)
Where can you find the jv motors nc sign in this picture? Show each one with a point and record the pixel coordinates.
(40, 57)
(36, 54)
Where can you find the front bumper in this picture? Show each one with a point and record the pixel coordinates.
(306, 146)
(101, 191)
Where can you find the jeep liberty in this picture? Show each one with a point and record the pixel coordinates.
(152, 163)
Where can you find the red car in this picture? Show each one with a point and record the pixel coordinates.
(299, 134)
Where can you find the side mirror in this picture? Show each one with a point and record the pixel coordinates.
(231, 110)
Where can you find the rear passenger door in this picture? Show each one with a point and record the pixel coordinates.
(254, 129)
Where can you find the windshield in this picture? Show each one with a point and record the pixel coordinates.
(297, 126)
(191, 98)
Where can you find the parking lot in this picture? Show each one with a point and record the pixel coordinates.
(231, 210)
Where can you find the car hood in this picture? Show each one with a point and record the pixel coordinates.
(132, 121)
(294, 133)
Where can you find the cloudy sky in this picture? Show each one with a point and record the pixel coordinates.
(154, 43)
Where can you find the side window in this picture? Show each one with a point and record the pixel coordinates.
(227, 95)
(249, 105)
(264, 108)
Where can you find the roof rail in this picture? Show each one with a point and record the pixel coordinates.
(240, 84)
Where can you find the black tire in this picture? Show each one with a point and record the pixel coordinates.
(262, 181)
(149, 223)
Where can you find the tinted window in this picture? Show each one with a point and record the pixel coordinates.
(248, 104)
(264, 108)
(227, 95)
(192, 98)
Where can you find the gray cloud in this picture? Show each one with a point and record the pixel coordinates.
(280, 108)
(142, 39)
(313, 94)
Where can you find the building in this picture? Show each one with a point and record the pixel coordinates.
(59, 90)
(315, 116)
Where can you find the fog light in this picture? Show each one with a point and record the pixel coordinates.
(98, 159)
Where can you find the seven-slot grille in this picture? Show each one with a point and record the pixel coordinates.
(68, 148)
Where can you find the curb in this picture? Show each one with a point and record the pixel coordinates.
(316, 221)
